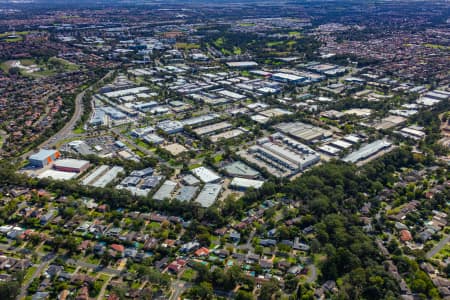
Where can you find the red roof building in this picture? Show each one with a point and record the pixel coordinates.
(118, 248)
(202, 252)
(405, 236)
(176, 266)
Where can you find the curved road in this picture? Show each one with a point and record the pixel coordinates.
(63, 132)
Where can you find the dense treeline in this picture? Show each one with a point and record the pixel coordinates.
(332, 195)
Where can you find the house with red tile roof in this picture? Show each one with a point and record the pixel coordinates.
(202, 252)
(405, 235)
(176, 266)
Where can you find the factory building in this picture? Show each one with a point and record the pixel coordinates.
(43, 158)
(243, 184)
(71, 165)
(239, 169)
(288, 78)
(367, 151)
(206, 175)
(209, 194)
(170, 127)
(281, 155)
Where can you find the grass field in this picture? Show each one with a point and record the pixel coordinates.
(187, 46)
(18, 36)
(219, 42)
(247, 24)
(29, 274)
(45, 69)
(5, 34)
(189, 275)
(276, 43)
(435, 46)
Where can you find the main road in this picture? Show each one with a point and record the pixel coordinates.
(69, 126)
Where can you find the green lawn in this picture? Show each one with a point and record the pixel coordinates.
(29, 273)
(189, 275)
(187, 46)
(276, 43)
(219, 42)
(5, 34)
(14, 40)
(194, 166)
(444, 253)
(79, 130)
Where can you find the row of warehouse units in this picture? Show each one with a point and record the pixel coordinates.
(102, 176)
(203, 185)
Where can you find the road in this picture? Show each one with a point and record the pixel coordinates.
(95, 267)
(178, 287)
(67, 129)
(103, 290)
(42, 266)
(438, 247)
(312, 277)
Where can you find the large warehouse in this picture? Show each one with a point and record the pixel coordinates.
(71, 165)
(43, 157)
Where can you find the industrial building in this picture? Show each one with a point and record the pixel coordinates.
(187, 193)
(280, 155)
(94, 175)
(341, 144)
(205, 175)
(130, 181)
(114, 113)
(367, 151)
(209, 194)
(81, 147)
(126, 92)
(170, 127)
(153, 139)
(330, 150)
(304, 132)
(242, 64)
(71, 165)
(151, 182)
(245, 183)
(102, 176)
(231, 134)
(239, 169)
(145, 107)
(196, 121)
(98, 118)
(165, 191)
(288, 78)
(212, 128)
(413, 132)
(57, 175)
(142, 173)
(140, 132)
(43, 158)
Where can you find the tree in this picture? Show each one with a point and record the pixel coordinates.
(268, 290)
(14, 71)
(9, 290)
(242, 295)
(201, 291)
